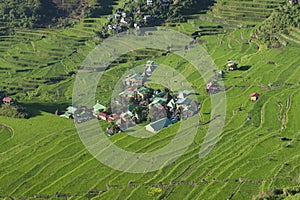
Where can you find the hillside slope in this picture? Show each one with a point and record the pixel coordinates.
(43, 157)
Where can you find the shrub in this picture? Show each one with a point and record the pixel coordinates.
(14, 111)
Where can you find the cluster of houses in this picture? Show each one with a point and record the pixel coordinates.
(123, 19)
(213, 87)
(139, 104)
(120, 21)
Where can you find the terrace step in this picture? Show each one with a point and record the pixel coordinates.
(295, 33)
(290, 38)
(245, 11)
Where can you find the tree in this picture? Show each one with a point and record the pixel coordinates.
(284, 17)
(154, 192)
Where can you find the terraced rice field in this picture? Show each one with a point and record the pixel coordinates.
(31, 58)
(46, 159)
(248, 12)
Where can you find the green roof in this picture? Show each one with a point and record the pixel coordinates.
(72, 109)
(67, 114)
(143, 90)
(158, 100)
(99, 106)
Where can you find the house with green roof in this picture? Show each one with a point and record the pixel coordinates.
(71, 109)
(98, 108)
(157, 100)
(144, 92)
(67, 115)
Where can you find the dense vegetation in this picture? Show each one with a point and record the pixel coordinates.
(286, 16)
(28, 13)
(14, 111)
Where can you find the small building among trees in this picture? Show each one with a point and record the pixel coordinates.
(7, 100)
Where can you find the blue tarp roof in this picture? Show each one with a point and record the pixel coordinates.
(183, 101)
(160, 124)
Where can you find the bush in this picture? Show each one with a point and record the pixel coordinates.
(28, 13)
(14, 111)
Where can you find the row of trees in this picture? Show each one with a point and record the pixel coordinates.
(98, 8)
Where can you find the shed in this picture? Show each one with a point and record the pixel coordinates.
(232, 65)
(254, 96)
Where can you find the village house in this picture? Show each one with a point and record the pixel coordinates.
(150, 67)
(70, 111)
(183, 103)
(293, 2)
(188, 111)
(157, 100)
(221, 74)
(213, 87)
(144, 92)
(123, 21)
(171, 104)
(67, 115)
(158, 125)
(127, 94)
(183, 94)
(97, 108)
(231, 65)
(7, 100)
(146, 18)
(254, 96)
(136, 26)
(82, 114)
(117, 16)
(150, 3)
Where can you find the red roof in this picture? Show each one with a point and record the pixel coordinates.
(254, 94)
(7, 99)
(102, 114)
(209, 85)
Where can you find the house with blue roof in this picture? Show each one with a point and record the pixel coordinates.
(158, 125)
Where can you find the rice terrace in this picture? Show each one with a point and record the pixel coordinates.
(150, 99)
